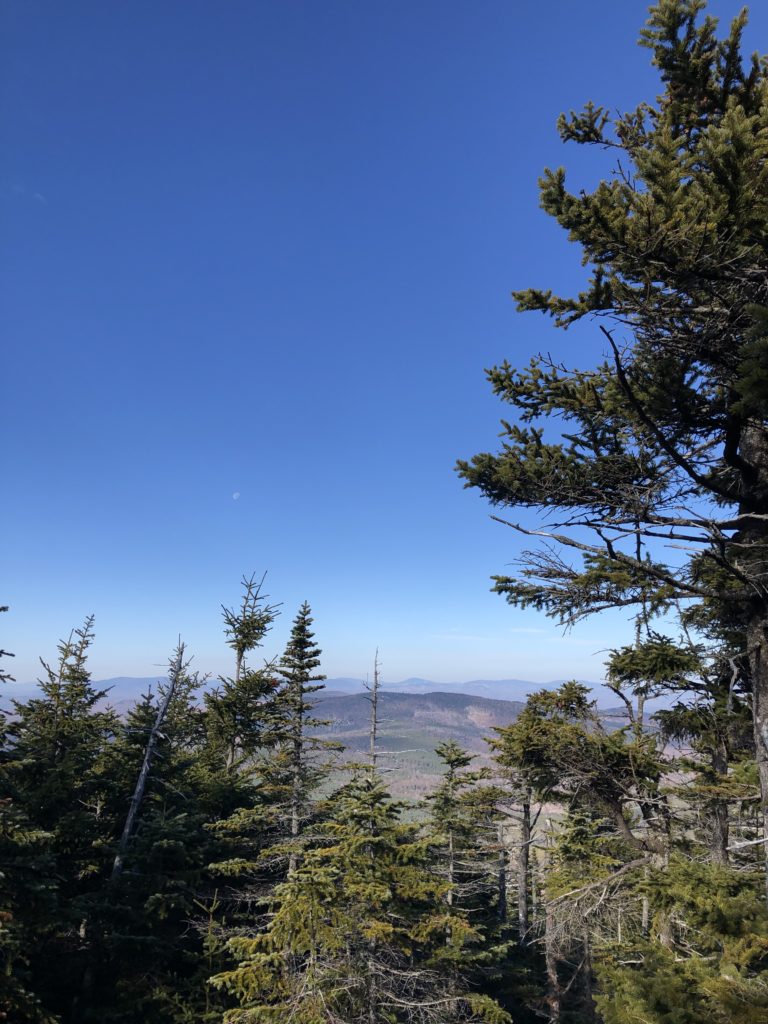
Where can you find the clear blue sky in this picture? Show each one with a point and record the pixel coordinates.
(265, 250)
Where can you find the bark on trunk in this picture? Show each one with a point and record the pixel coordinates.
(141, 782)
(757, 639)
(550, 955)
(752, 540)
(293, 858)
(501, 909)
(719, 814)
(523, 873)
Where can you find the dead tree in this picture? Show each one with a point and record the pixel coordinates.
(175, 672)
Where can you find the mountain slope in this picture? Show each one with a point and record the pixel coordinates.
(411, 725)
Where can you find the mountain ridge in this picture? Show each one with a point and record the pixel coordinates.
(122, 688)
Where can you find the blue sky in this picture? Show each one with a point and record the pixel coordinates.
(257, 257)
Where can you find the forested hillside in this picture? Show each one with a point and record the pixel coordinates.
(229, 855)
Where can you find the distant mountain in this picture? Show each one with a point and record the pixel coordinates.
(130, 688)
(415, 716)
(415, 719)
(411, 725)
(494, 689)
(121, 689)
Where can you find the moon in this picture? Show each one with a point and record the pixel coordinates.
(236, 496)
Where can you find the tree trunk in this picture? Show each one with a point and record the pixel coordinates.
(719, 813)
(550, 956)
(523, 872)
(586, 973)
(501, 909)
(293, 858)
(141, 783)
(373, 728)
(297, 764)
(757, 640)
(752, 541)
(645, 919)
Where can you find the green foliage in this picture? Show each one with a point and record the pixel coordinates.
(705, 959)
(651, 471)
(672, 424)
(558, 742)
(464, 833)
(237, 722)
(351, 927)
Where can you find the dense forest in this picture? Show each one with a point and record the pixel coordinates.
(212, 856)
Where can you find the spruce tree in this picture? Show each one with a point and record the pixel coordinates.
(236, 707)
(27, 890)
(467, 853)
(56, 763)
(147, 904)
(241, 729)
(350, 930)
(300, 762)
(705, 957)
(666, 441)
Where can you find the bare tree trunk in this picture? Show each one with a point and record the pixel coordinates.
(586, 970)
(757, 639)
(523, 871)
(719, 814)
(293, 857)
(176, 669)
(374, 719)
(550, 956)
(753, 459)
(501, 909)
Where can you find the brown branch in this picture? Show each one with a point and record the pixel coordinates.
(629, 866)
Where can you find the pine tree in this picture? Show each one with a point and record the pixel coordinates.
(611, 785)
(27, 895)
(159, 918)
(56, 764)
(705, 958)
(236, 708)
(710, 716)
(666, 441)
(350, 931)
(242, 732)
(468, 856)
(589, 901)
(300, 761)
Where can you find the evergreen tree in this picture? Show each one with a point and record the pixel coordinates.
(300, 762)
(351, 928)
(146, 907)
(242, 730)
(236, 708)
(667, 440)
(589, 903)
(710, 717)
(26, 891)
(27, 901)
(705, 957)
(56, 763)
(559, 742)
(467, 853)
